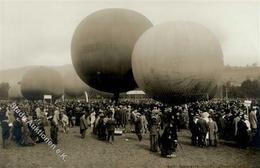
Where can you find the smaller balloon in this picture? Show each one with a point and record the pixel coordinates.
(41, 81)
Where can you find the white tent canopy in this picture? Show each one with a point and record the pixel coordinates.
(135, 92)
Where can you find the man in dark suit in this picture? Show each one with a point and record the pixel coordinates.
(5, 126)
(110, 124)
(169, 138)
(17, 130)
(194, 131)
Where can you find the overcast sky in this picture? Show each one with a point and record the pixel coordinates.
(39, 32)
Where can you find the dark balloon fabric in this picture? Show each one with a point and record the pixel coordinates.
(102, 46)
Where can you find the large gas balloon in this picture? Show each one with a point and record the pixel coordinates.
(178, 62)
(15, 92)
(73, 86)
(102, 46)
(41, 81)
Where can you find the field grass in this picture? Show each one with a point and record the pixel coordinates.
(126, 152)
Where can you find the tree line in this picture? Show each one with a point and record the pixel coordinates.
(248, 89)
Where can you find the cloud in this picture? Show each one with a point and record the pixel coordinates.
(40, 32)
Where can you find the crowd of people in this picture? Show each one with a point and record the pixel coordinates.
(227, 120)
(208, 121)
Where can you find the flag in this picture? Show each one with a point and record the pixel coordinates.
(86, 94)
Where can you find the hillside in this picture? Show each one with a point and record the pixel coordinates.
(235, 75)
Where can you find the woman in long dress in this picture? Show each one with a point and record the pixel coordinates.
(242, 133)
(168, 139)
(26, 135)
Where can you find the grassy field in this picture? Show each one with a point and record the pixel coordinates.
(126, 152)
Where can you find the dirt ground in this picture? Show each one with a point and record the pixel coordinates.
(126, 152)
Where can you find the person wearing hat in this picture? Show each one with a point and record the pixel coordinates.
(235, 122)
(138, 126)
(253, 120)
(243, 132)
(169, 138)
(26, 134)
(56, 116)
(213, 130)
(194, 130)
(17, 130)
(110, 124)
(38, 112)
(203, 129)
(144, 123)
(64, 121)
(97, 117)
(257, 135)
(83, 125)
(5, 126)
(69, 112)
(54, 132)
(40, 125)
(155, 110)
(154, 133)
(133, 119)
(124, 117)
(101, 128)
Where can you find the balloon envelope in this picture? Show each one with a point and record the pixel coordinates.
(178, 62)
(102, 45)
(73, 85)
(15, 92)
(41, 81)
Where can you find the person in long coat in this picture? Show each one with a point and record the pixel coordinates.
(26, 135)
(133, 119)
(242, 134)
(69, 111)
(154, 133)
(110, 125)
(65, 123)
(5, 131)
(144, 124)
(253, 120)
(235, 123)
(56, 117)
(194, 130)
(222, 125)
(10, 115)
(257, 136)
(33, 134)
(101, 128)
(54, 132)
(40, 125)
(83, 125)
(213, 131)
(138, 127)
(92, 118)
(17, 130)
(124, 117)
(203, 129)
(168, 140)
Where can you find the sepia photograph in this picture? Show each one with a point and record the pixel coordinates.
(130, 83)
